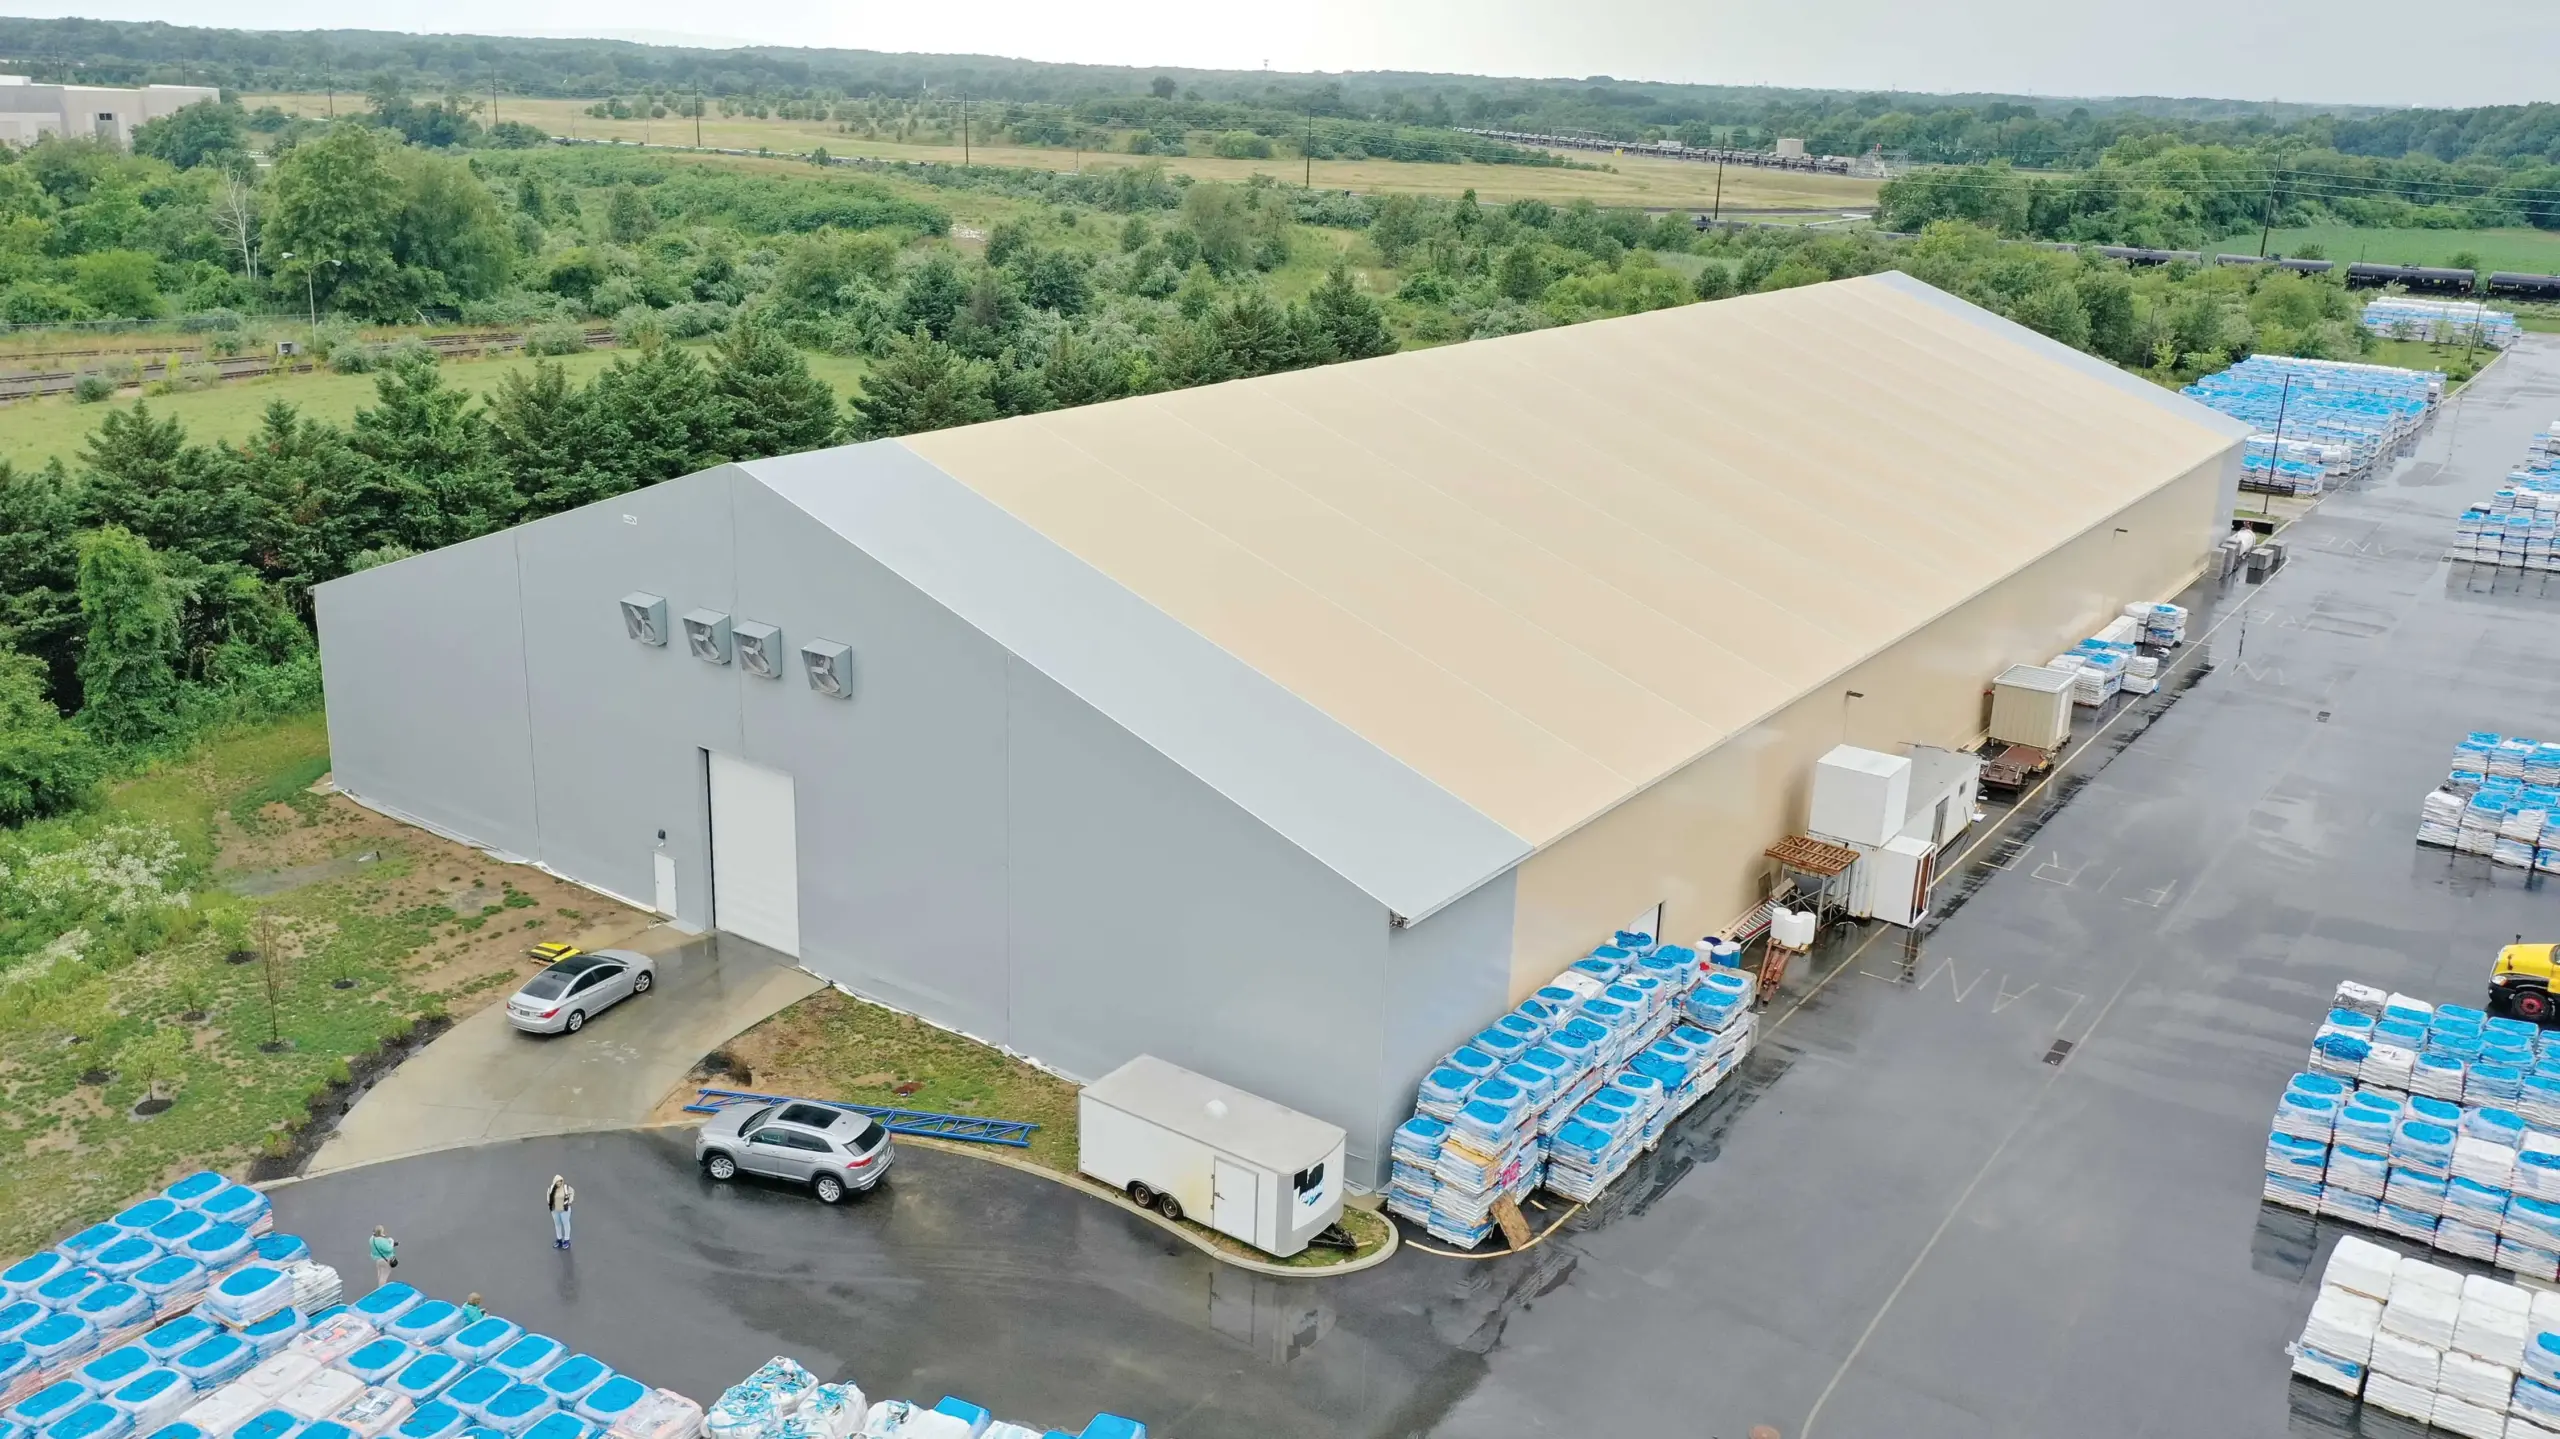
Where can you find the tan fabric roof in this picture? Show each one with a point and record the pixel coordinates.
(1546, 570)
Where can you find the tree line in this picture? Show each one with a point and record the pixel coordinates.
(2158, 193)
(158, 581)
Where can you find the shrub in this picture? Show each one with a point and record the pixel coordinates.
(328, 335)
(90, 388)
(206, 321)
(359, 359)
(556, 338)
(695, 318)
(638, 326)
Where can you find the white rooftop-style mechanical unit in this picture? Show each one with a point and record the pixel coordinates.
(1859, 795)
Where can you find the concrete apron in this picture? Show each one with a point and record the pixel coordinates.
(485, 1080)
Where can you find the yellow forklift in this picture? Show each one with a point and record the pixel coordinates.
(2521, 983)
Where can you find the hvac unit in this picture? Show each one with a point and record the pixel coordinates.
(1860, 796)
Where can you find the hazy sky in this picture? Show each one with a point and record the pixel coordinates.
(2366, 51)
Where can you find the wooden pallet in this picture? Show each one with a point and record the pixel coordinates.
(1805, 854)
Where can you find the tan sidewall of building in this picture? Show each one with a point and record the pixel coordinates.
(1694, 840)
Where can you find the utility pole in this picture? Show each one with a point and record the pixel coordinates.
(697, 114)
(1719, 212)
(2275, 447)
(493, 99)
(964, 130)
(2267, 221)
(1307, 149)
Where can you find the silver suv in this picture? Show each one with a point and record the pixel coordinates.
(834, 1151)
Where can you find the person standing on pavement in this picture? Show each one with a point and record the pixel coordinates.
(558, 1200)
(386, 1255)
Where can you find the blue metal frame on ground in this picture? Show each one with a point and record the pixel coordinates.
(1014, 1132)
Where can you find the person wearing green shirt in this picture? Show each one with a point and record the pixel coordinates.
(472, 1313)
(386, 1255)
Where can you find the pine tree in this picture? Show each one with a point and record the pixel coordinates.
(437, 477)
(1255, 335)
(129, 656)
(539, 428)
(1345, 322)
(653, 417)
(1079, 372)
(921, 384)
(128, 465)
(932, 296)
(774, 405)
(39, 570)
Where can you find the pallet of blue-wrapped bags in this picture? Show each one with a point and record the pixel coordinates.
(1564, 1091)
(2436, 1123)
(184, 1317)
(783, 1400)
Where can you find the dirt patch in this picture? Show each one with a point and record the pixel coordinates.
(486, 914)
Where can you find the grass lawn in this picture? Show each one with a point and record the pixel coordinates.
(414, 926)
(2534, 251)
(1637, 179)
(33, 431)
(2458, 363)
(834, 1046)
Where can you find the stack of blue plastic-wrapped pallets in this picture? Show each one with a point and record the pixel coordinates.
(233, 1332)
(1566, 1089)
(2339, 419)
(2497, 800)
(2443, 322)
(2518, 526)
(2437, 1123)
(782, 1400)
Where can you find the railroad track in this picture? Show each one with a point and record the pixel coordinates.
(27, 384)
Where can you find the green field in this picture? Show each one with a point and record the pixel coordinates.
(2536, 251)
(33, 431)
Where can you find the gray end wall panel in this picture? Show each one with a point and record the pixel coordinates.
(900, 790)
(425, 681)
(1151, 915)
(619, 726)
(1374, 819)
(1446, 978)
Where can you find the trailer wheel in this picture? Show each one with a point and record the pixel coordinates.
(1168, 1206)
(1140, 1195)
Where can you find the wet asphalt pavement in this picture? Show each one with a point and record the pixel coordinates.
(1911, 1216)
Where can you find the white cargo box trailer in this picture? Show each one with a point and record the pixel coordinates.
(1246, 1167)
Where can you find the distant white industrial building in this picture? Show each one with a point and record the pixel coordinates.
(29, 111)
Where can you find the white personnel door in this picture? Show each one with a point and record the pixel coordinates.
(1232, 1193)
(755, 855)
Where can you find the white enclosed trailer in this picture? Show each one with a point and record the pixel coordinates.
(1246, 1167)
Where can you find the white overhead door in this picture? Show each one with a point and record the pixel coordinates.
(755, 854)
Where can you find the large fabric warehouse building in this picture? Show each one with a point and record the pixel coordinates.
(1289, 729)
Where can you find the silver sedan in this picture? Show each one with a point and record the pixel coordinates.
(562, 998)
(833, 1151)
